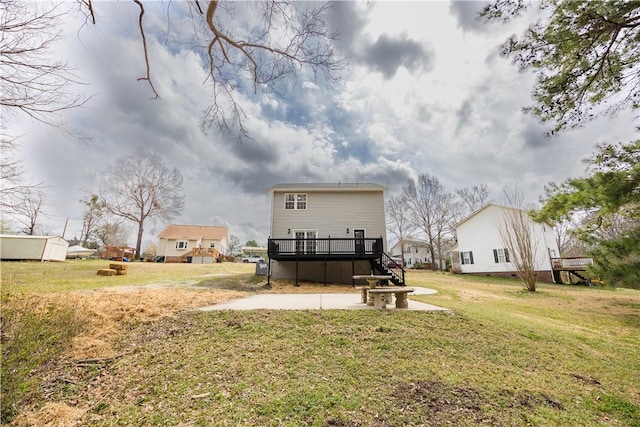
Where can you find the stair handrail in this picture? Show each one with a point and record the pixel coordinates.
(385, 261)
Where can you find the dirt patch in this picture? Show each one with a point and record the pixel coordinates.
(446, 404)
(289, 287)
(255, 284)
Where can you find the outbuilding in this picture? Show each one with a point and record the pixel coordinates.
(33, 248)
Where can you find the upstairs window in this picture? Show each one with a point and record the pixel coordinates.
(295, 201)
(181, 245)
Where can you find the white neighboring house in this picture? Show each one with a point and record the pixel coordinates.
(33, 248)
(201, 242)
(481, 250)
(327, 232)
(414, 251)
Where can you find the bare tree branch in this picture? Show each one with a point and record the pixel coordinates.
(520, 239)
(32, 81)
(286, 39)
(146, 51)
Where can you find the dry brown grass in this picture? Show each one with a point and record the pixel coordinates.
(109, 312)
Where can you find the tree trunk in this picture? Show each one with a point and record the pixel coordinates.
(139, 240)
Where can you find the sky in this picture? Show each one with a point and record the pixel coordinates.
(425, 91)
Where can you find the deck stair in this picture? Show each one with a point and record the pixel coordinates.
(386, 265)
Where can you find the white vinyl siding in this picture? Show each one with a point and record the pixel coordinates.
(480, 233)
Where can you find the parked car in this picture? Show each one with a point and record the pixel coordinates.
(254, 259)
(395, 263)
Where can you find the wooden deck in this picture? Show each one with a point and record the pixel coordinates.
(324, 249)
(335, 249)
(571, 264)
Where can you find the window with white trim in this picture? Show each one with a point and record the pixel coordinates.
(466, 257)
(306, 241)
(181, 245)
(501, 255)
(295, 201)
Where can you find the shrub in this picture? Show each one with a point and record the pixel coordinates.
(33, 332)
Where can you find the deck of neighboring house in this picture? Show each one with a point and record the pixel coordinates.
(336, 249)
(118, 253)
(575, 266)
(201, 256)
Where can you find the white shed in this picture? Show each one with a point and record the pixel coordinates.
(36, 248)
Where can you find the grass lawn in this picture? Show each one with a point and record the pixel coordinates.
(82, 274)
(560, 356)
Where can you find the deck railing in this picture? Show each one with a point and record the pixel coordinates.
(578, 263)
(320, 247)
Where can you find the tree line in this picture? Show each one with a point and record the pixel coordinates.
(427, 211)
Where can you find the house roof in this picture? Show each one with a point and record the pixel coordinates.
(194, 232)
(476, 212)
(417, 243)
(327, 186)
(486, 207)
(27, 237)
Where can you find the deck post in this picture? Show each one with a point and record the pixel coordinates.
(353, 272)
(325, 271)
(269, 274)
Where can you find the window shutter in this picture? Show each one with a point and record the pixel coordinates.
(506, 254)
(495, 255)
(471, 256)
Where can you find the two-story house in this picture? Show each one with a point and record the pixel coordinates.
(194, 243)
(328, 232)
(481, 248)
(415, 253)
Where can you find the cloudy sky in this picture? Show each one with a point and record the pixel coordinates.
(425, 91)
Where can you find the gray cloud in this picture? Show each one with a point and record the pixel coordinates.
(466, 12)
(534, 133)
(347, 20)
(464, 115)
(387, 54)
